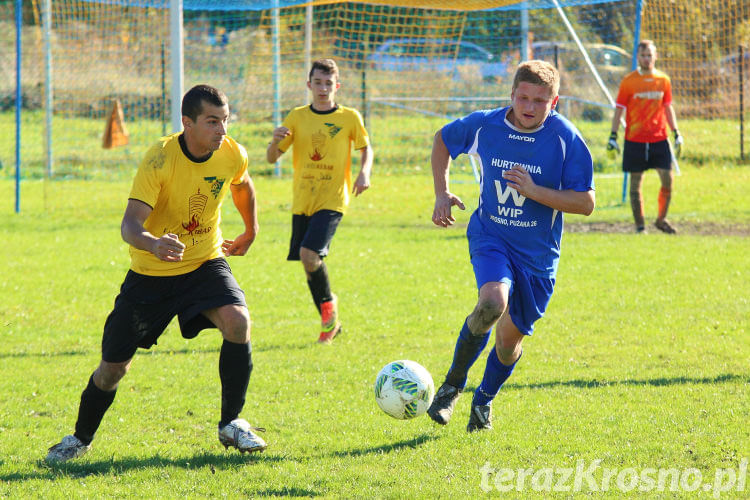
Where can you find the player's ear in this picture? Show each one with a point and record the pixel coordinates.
(186, 122)
(309, 85)
(554, 101)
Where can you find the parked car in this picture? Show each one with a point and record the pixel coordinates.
(611, 61)
(451, 57)
(730, 65)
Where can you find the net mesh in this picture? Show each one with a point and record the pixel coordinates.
(699, 46)
(408, 66)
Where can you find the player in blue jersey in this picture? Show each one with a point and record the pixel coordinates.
(534, 166)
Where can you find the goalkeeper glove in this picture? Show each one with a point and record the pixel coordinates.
(677, 144)
(612, 147)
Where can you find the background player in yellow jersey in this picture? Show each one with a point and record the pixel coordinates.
(178, 267)
(646, 94)
(321, 136)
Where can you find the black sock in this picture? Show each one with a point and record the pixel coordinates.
(320, 286)
(468, 349)
(235, 365)
(94, 404)
(312, 292)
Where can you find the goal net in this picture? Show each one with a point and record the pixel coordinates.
(408, 66)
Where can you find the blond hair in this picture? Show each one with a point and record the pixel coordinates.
(538, 72)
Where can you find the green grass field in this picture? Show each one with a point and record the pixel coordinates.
(401, 142)
(641, 361)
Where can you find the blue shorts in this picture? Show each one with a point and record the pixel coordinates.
(529, 294)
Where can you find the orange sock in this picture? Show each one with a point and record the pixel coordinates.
(665, 194)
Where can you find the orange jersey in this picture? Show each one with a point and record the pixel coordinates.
(645, 97)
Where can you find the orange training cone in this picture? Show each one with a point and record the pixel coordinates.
(116, 134)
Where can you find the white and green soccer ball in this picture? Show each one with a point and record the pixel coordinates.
(404, 389)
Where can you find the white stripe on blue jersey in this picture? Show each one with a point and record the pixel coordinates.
(555, 156)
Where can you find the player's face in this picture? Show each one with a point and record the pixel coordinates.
(646, 58)
(324, 87)
(531, 105)
(208, 130)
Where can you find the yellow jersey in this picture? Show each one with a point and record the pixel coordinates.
(186, 198)
(322, 156)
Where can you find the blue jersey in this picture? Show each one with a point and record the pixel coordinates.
(556, 157)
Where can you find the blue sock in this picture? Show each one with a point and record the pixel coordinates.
(468, 349)
(495, 375)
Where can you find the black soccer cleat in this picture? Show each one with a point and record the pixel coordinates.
(442, 406)
(480, 418)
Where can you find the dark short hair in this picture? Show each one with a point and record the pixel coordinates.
(327, 66)
(192, 103)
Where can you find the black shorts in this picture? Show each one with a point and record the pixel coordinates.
(313, 232)
(640, 156)
(146, 305)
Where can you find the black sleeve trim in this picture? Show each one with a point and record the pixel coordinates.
(136, 199)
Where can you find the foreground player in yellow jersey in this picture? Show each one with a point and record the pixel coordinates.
(178, 267)
(321, 136)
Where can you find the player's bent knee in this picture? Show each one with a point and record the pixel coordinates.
(310, 259)
(489, 309)
(236, 325)
(108, 375)
(485, 314)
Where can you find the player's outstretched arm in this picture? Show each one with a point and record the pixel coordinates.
(272, 152)
(243, 196)
(569, 201)
(363, 179)
(168, 247)
(444, 199)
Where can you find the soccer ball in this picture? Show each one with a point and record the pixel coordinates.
(404, 389)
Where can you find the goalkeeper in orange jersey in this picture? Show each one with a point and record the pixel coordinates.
(321, 136)
(646, 94)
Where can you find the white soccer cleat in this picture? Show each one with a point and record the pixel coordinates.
(70, 447)
(239, 434)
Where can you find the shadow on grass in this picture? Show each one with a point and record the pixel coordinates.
(4, 355)
(211, 462)
(140, 353)
(155, 351)
(385, 448)
(309, 344)
(288, 492)
(655, 382)
(93, 352)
